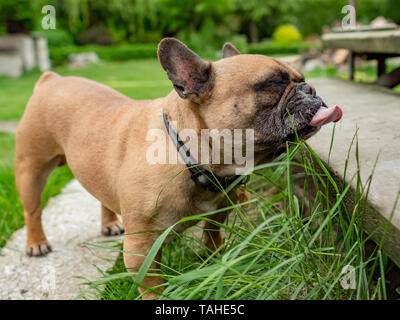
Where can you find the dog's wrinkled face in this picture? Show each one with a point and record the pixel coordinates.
(271, 97)
(246, 91)
(293, 105)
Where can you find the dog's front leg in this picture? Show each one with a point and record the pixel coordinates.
(110, 224)
(137, 244)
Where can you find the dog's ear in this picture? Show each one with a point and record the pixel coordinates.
(190, 75)
(229, 50)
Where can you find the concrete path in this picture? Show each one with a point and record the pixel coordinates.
(376, 112)
(70, 220)
(8, 126)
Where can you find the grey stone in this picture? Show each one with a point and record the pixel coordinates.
(382, 22)
(27, 50)
(375, 111)
(42, 54)
(80, 60)
(11, 64)
(20, 52)
(9, 126)
(21, 44)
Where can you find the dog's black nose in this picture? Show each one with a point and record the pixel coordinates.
(309, 96)
(306, 88)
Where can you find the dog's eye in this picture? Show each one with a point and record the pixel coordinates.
(270, 85)
(179, 88)
(280, 81)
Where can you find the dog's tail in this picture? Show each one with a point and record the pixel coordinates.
(45, 77)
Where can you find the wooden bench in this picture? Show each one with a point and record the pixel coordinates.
(378, 45)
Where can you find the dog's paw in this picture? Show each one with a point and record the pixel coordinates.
(38, 249)
(113, 228)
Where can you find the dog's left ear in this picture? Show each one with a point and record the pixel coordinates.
(190, 75)
(229, 50)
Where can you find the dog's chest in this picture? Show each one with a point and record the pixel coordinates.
(189, 206)
(207, 205)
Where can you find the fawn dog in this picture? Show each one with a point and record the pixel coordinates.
(101, 135)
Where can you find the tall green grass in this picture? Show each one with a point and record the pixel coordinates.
(286, 243)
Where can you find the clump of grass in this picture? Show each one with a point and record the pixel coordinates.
(287, 245)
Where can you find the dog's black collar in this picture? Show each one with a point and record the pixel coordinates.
(201, 176)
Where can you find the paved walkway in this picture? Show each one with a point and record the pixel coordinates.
(70, 220)
(376, 112)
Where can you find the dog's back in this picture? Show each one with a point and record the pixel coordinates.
(56, 97)
(61, 106)
(63, 113)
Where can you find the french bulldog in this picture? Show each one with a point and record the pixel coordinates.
(102, 135)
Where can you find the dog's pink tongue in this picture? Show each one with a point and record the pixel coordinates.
(326, 115)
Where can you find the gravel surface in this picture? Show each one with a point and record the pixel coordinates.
(70, 220)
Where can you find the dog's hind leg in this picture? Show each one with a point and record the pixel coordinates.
(110, 224)
(30, 178)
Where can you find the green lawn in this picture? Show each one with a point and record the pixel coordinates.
(138, 79)
(276, 250)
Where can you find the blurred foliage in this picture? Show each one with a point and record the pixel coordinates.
(202, 24)
(286, 34)
(271, 48)
(59, 54)
(311, 16)
(95, 34)
(367, 10)
(16, 16)
(57, 38)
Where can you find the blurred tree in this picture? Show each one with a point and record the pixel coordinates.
(211, 20)
(367, 10)
(177, 15)
(312, 15)
(261, 17)
(286, 34)
(16, 16)
(391, 10)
